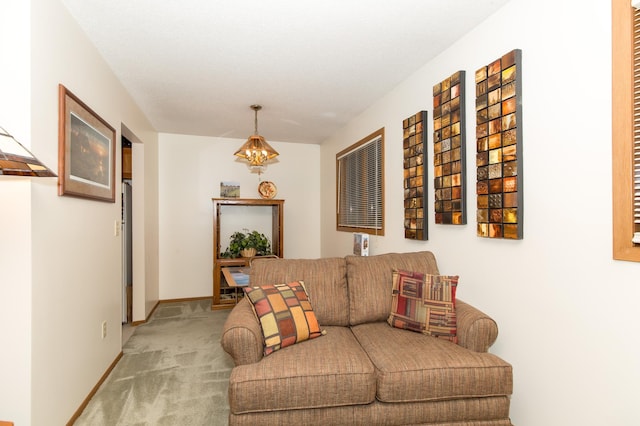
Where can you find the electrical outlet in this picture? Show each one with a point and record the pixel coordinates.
(104, 329)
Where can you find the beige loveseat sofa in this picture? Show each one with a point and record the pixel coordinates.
(363, 371)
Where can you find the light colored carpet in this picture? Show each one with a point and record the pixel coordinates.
(173, 372)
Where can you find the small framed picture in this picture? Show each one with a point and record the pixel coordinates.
(229, 190)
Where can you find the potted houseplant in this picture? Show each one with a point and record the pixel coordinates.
(247, 244)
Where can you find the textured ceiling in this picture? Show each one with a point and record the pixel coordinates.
(195, 66)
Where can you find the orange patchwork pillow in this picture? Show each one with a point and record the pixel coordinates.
(285, 314)
(425, 303)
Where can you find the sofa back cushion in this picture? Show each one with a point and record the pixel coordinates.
(370, 281)
(324, 279)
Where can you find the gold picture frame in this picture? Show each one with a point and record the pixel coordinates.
(86, 151)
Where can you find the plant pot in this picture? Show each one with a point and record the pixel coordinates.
(248, 252)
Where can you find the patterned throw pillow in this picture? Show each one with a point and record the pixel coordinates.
(425, 303)
(285, 314)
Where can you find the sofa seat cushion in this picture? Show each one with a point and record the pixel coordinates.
(326, 372)
(415, 367)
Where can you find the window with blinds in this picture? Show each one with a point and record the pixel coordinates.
(360, 186)
(636, 126)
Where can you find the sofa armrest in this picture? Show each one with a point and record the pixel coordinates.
(242, 335)
(476, 330)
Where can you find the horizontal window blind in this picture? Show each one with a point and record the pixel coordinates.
(360, 186)
(636, 122)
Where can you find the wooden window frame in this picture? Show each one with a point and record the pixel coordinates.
(622, 131)
(368, 230)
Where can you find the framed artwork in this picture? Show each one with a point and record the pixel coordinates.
(499, 147)
(449, 175)
(229, 189)
(86, 151)
(415, 176)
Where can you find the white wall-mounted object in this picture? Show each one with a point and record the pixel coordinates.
(361, 244)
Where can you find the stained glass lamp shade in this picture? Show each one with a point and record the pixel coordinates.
(256, 150)
(17, 160)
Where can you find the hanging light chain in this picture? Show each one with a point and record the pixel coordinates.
(256, 108)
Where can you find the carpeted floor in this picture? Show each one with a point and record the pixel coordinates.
(173, 372)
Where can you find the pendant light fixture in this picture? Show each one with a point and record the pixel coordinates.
(256, 150)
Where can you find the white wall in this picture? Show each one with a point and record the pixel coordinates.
(62, 263)
(190, 171)
(145, 249)
(15, 215)
(566, 310)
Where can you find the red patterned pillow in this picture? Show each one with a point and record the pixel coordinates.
(285, 314)
(425, 303)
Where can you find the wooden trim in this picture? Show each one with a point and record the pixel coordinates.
(84, 404)
(185, 299)
(622, 130)
(137, 323)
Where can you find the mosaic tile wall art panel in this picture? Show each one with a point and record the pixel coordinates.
(449, 150)
(415, 176)
(499, 147)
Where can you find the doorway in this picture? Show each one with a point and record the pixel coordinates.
(127, 228)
